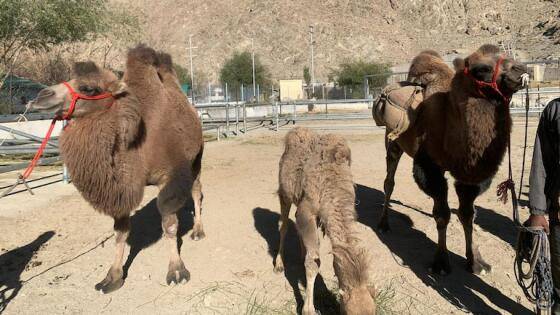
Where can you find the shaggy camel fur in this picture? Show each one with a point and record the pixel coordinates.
(147, 134)
(469, 140)
(429, 70)
(315, 175)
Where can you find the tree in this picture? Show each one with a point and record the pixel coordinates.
(184, 77)
(306, 75)
(351, 74)
(39, 25)
(183, 74)
(239, 70)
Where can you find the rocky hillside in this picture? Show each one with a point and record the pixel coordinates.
(384, 30)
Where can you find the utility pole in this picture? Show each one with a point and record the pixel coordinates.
(253, 57)
(312, 59)
(192, 73)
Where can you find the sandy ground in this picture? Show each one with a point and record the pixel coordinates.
(55, 247)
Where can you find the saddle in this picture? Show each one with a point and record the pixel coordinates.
(396, 107)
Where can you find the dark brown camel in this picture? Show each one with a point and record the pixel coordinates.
(465, 131)
(429, 70)
(146, 134)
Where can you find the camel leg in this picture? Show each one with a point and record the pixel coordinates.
(197, 196)
(467, 194)
(114, 279)
(307, 228)
(394, 153)
(171, 199)
(198, 231)
(284, 218)
(429, 177)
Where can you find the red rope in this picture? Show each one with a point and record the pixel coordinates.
(75, 97)
(493, 85)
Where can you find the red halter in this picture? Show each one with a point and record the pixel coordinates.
(75, 97)
(493, 85)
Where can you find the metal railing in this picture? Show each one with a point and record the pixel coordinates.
(227, 119)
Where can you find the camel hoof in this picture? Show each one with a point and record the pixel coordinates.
(479, 267)
(112, 282)
(383, 226)
(278, 267)
(198, 234)
(441, 264)
(177, 273)
(312, 312)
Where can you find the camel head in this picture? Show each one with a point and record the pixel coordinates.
(488, 66)
(358, 300)
(511, 77)
(89, 81)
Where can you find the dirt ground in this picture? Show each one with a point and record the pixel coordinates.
(54, 247)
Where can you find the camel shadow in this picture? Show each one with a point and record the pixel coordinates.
(459, 287)
(12, 265)
(266, 223)
(146, 229)
(496, 224)
(499, 225)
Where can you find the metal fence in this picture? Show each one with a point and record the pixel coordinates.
(229, 119)
(219, 93)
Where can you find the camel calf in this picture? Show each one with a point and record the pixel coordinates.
(315, 175)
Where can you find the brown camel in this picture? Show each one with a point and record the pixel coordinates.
(315, 175)
(145, 134)
(468, 140)
(429, 70)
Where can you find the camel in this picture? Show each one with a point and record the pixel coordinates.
(315, 175)
(144, 133)
(469, 141)
(430, 71)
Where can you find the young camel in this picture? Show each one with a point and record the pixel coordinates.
(315, 175)
(429, 70)
(465, 131)
(144, 133)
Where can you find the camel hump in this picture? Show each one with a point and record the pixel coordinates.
(299, 137)
(85, 68)
(143, 54)
(164, 60)
(335, 149)
(489, 49)
(431, 52)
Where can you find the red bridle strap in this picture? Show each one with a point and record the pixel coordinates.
(75, 97)
(493, 85)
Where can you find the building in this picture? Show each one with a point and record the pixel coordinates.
(291, 90)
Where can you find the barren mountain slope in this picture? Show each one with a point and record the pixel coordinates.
(385, 30)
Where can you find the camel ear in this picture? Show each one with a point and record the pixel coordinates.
(342, 154)
(119, 88)
(459, 64)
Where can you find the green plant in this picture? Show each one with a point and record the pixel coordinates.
(239, 70)
(40, 25)
(351, 74)
(306, 75)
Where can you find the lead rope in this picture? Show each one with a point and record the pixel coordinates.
(532, 249)
(525, 79)
(22, 178)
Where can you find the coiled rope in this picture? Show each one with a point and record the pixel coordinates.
(532, 248)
